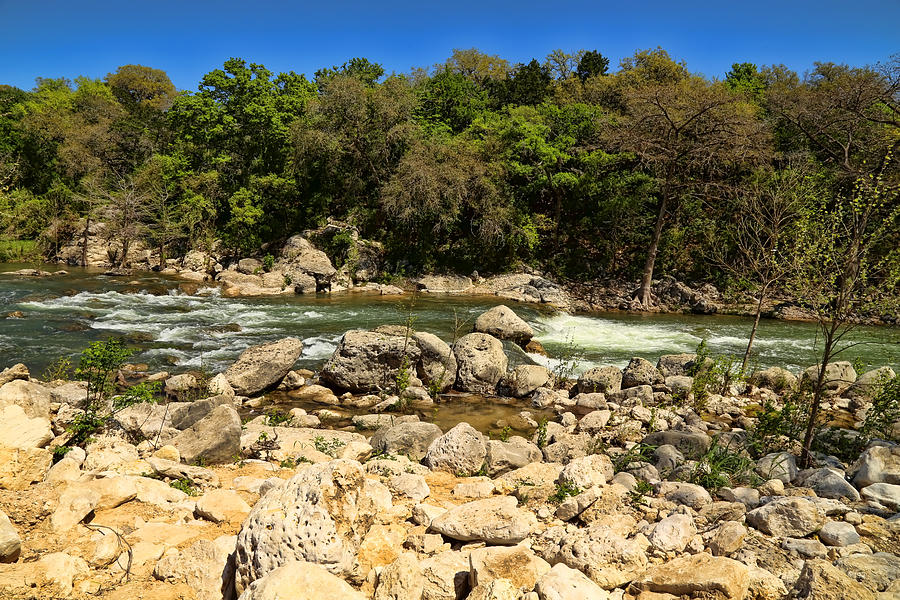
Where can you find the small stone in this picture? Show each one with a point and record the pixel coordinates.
(494, 520)
(410, 485)
(805, 548)
(838, 533)
(728, 538)
(222, 505)
(787, 517)
(673, 533)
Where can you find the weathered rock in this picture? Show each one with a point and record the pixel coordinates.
(10, 542)
(675, 365)
(673, 533)
(607, 557)
(62, 570)
(300, 257)
(600, 379)
(180, 385)
(774, 378)
(867, 385)
(410, 439)
(640, 372)
(410, 485)
(875, 571)
(370, 360)
(886, 494)
(498, 589)
(502, 457)
(838, 533)
(185, 414)
(446, 576)
(481, 363)
(219, 506)
(587, 471)
(838, 375)
(148, 421)
(20, 468)
(299, 580)
(216, 438)
(878, 464)
(401, 580)
(460, 450)
(728, 538)
(17, 371)
(494, 520)
(827, 483)
(696, 575)
(524, 379)
(805, 548)
(380, 546)
(594, 422)
(452, 284)
(173, 470)
(688, 494)
(517, 564)
(18, 430)
(690, 444)
(437, 367)
(565, 583)
(75, 503)
(502, 323)
(819, 580)
(320, 515)
(787, 517)
(34, 398)
(205, 567)
(261, 367)
(778, 465)
(219, 386)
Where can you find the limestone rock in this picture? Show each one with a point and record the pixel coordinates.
(452, 284)
(401, 580)
(778, 465)
(410, 439)
(600, 379)
(370, 360)
(437, 367)
(10, 542)
(20, 468)
(34, 398)
(565, 583)
(524, 379)
(875, 571)
(299, 580)
(819, 580)
(320, 515)
(690, 444)
(481, 363)
(604, 555)
(838, 533)
(673, 533)
(502, 457)
(222, 505)
(494, 520)
(787, 517)
(640, 372)
(410, 485)
(216, 438)
(18, 430)
(17, 371)
(517, 564)
(886, 494)
(498, 589)
(675, 365)
(878, 464)
(446, 576)
(774, 378)
(827, 483)
(838, 375)
(205, 566)
(75, 503)
(728, 538)
(587, 471)
(460, 450)
(697, 574)
(502, 323)
(261, 367)
(688, 494)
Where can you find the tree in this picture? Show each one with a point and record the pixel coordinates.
(848, 268)
(359, 68)
(477, 66)
(140, 87)
(527, 84)
(745, 78)
(449, 100)
(686, 133)
(591, 64)
(761, 230)
(562, 64)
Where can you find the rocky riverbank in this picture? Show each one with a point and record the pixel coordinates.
(638, 488)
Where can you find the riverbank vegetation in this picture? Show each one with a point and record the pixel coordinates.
(586, 171)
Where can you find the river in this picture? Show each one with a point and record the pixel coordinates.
(175, 330)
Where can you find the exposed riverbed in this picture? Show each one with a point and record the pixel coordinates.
(179, 326)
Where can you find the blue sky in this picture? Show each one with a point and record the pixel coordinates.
(187, 39)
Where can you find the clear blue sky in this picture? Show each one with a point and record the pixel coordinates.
(189, 38)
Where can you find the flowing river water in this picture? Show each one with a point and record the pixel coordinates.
(179, 326)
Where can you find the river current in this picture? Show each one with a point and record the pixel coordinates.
(177, 326)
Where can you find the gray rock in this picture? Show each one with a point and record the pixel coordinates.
(673, 533)
(460, 450)
(565, 583)
(875, 571)
(410, 485)
(452, 284)
(805, 548)
(214, 439)
(587, 471)
(481, 362)
(594, 422)
(502, 323)
(370, 360)
(437, 366)
(867, 385)
(321, 515)
(680, 384)
(261, 367)
(787, 517)
(838, 533)
(608, 558)
(10, 542)
(640, 372)
(185, 414)
(827, 483)
(600, 379)
(878, 464)
(667, 458)
(688, 494)
(838, 375)
(410, 439)
(524, 379)
(774, 378)
(677, 365)
(502, 457)
(778, 465)
(299, 256)
(494, 520)
(690, 444)
(886, 494)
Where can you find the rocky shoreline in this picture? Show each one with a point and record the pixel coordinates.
(636, 489)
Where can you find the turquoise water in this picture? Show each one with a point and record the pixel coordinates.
(179, 326)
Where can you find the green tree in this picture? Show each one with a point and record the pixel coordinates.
(591, 64)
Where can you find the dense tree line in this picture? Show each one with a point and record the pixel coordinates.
(473, 164)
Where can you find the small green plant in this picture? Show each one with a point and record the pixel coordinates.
(275, 417)
(503, 434)
(185, 486)
(60, 452)
(569, 358)
(722, 465)
(142, 392)
(329, 446)
(287, 463)
(60, 369)
(641, 489)
(268, 262)
(287, 281)
(712, 375)
(563, 491)
(401, 380)
(638, 453)
(542, 433)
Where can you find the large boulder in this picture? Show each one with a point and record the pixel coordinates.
(502, 457)
(481, 363)
(774, 378)
(607, 557)
(495, 520)
(867, 385)
(370, 360)
(444, 284)
(517, 564)
(18, 430)
(673, 365)
(690, 443)
(600, 379)
(640, 372)
(827, 483)
(878, 464)
(300, 257)
(411, 439)
(437, 367)
(205, 567)
(886, 494)
(262, 367)
(700, 575)
(34, 398)
(820, 580)
(564, 583)
(501, 322)
(460, 450)
(838, 375)
(216, 438)
(525, 379)
(300, 580)
(787, 517)
(321, 515)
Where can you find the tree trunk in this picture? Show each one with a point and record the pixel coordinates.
(643, 294)
(817, 398)
(762, 296)
(84, 241)
(162, 257)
